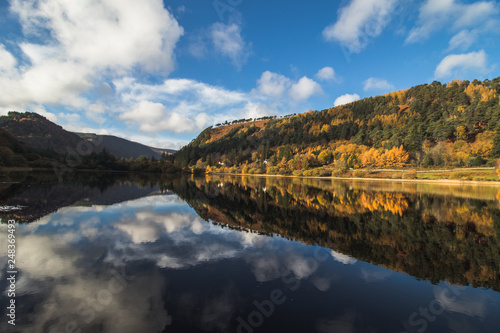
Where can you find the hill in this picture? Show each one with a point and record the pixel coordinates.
(37, 132)
(122, 147)
(452, 124)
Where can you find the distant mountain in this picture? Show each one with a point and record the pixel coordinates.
(38, 132)
(122, 147)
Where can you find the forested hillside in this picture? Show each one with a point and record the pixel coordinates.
(454, 124)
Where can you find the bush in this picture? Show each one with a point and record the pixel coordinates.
(341, 165)
(297, 172)
(359, 174)
(325, 173)
(476, 161)
(273, 170)
(412, 174)
(337, 173)
(283, 171)
(460, 175)
(396, 176)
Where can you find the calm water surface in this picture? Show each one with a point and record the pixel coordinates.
(122, 253)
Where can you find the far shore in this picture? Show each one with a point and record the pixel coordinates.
(428, 181)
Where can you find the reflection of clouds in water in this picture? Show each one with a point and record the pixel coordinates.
(145, 232)
(211, 312)
(342, 258)
(301, 266)
(68, 256)
(465, 303)
(349, 322)
(266, 268)
(268, 265)
(49, 269)
(375, 276)
(341, 324)
(323, 284)
(42, 256)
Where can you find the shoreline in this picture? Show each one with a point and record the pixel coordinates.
(423, 181)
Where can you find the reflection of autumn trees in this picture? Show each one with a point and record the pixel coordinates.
(436, 237)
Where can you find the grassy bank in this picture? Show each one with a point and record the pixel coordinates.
(453, 176)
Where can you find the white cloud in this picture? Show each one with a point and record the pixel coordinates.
(7, 60)
(346, 99)
(304, 89)
(377, 84)
(437, 14)
(154, 117)
(463, 40)
(342, 258)
(87, 40)
(459, 64)
(326, 74)
(359, 21)
(227, 41)
(273, 84)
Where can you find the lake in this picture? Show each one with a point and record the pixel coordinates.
(144, 253)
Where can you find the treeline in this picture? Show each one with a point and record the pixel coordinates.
(14, 153)
(453, 125)
(243, 120)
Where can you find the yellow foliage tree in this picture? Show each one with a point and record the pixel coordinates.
(483, 144)
(396, 157)
(370, 157)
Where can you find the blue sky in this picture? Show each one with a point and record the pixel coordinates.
(159, 72)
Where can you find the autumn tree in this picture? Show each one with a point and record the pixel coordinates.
(325, 157)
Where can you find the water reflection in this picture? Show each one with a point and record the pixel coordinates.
(212, 257)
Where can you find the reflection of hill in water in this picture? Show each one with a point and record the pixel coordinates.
(430, 232)
(41, 194)
(427, 235)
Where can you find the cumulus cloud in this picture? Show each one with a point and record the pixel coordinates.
(86, 39)
(437, 14)
(273, 84)
(305, 88)
(346, 99)
(176, 105)
(154, 117)
(460, 64)
(359, 21)
(377, 84)
(326, 74)
(227, 41)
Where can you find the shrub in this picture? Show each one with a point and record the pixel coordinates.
(307, 173)
(337, 173)
(282, 171)
(341, 165)
(359, 174)
(297, 172)
(273, 170)
(325, 173)
(460, 175)
(411, 174)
